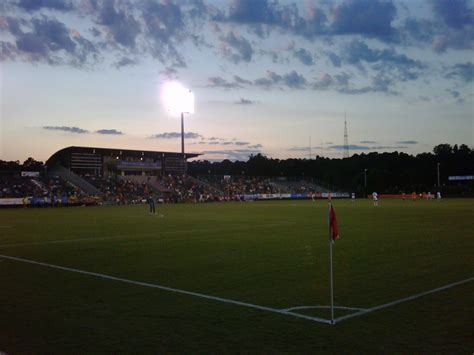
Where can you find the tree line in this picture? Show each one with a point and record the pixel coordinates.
(393, 172)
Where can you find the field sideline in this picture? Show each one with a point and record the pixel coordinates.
(270, 254)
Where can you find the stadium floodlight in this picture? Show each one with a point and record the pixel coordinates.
(178, 100)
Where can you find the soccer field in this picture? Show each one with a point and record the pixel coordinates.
(238, 277)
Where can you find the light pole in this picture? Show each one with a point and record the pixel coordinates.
(179, 100)
(438, 175)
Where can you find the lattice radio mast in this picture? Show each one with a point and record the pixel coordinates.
(346, 140)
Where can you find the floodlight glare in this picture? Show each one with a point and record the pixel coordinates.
(177, 99)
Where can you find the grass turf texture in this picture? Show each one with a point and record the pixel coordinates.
(271, 254)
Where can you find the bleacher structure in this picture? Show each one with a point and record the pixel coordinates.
(106, 162)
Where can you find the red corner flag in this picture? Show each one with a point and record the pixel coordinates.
(333, 229)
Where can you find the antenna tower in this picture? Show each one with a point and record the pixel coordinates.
(346, 141)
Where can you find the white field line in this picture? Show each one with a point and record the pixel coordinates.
(323, 307)
(158, 234)
(170, 289)
(62, 241)
(406, 299)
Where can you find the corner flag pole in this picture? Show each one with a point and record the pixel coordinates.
(331, 284)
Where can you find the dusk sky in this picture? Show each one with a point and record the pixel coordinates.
(269, 76)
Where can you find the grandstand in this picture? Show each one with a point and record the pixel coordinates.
(120, 175)
(90, 175)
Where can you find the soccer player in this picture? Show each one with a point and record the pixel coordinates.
(375, 198)
(353, 197)
(438, 196)
(151, 203)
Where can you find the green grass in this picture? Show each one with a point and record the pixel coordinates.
(272, 254)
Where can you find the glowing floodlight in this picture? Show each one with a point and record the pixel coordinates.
(177, 99)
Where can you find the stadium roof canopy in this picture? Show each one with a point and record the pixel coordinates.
(94, 158)
(57, 157)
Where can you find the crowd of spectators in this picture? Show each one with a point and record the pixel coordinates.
(168, 188)
(183, 188)
(19, 187)
(40, 190)
(123, 191)
(59, 188)
(234, 187)
(299, 187)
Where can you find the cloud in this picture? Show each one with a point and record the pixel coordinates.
(120, 22)
(335, 59)
(379, 84)
(459, 40)
(385, 66)
(258, 12)
(388, 65)
(363, 147)
(462, 71)
(421, 30)
(358, 51)
(243, 101)
(166, 28)
(48, 41)
(225, 142)
(145, 27)
(324, 82)
(300, 149)
(407, 142)
(174, 135)
(304, 56)
(371, 18)
(236, 48)
(240, 80)
(262, 15)
(292, 80)
(456, 14)
(271, 78)
(235, 154)
(34, 5)
(456, 94)
(109, 132)
(219, 82)
(47, 35)
(314, 23)
(452, 29)
(125, 61)
(66, 129)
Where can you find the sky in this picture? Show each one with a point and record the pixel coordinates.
(274, 77)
